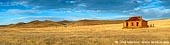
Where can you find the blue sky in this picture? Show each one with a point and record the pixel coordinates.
(13, 11)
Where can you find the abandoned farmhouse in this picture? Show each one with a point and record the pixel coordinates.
(135, 22)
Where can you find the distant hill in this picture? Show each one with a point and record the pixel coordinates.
(36, 24)
(47, 23)
(160, 19)
(160, 23)
(94, 22)
(3, 25)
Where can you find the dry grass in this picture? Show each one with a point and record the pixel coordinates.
(85, 35)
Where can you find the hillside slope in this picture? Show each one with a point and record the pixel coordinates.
(160, 23)
(65, 23)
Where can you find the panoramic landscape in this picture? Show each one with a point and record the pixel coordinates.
(84, 32)
(84, 22)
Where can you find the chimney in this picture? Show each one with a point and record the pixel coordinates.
(140, 17)
(129, 17)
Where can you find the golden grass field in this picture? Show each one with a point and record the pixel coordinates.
(108, 34)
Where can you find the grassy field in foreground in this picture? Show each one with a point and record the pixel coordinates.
(109, 34)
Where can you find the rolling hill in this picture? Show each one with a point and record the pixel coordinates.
(47, 23)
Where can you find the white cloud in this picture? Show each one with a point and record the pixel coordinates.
(155, 11)
(79, 18)
(29, 18)
(147, 0)
(121, 16)
(71, 1)
(23, 3)
(32, 17)
(18, 12)
(82, 5)
(151, 9)
(150, 12)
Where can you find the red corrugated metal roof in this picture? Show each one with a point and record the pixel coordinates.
(135, 18)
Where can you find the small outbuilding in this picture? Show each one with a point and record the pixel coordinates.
(135, 22)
